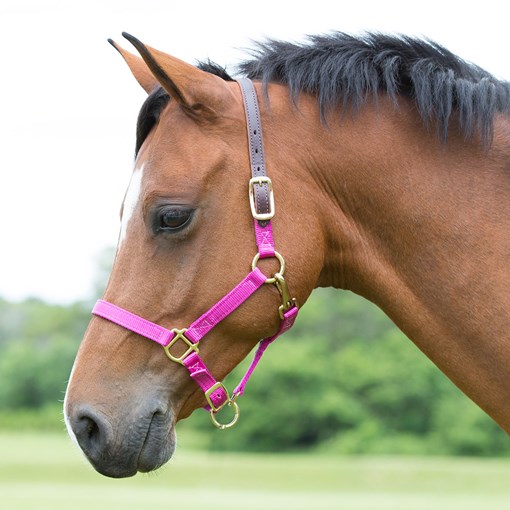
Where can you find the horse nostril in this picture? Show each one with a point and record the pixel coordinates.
(92, 431)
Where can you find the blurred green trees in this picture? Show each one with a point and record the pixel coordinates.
(38, 343)
(345, 380)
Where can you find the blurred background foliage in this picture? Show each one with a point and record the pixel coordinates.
(344, 380)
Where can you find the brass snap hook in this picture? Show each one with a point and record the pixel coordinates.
(287, 301)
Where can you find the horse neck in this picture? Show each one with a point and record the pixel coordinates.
(420, 228)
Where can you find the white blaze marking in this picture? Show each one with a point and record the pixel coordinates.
(66, 418)
(132, 197)
(130, 202)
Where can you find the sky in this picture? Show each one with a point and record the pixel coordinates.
(68, 106)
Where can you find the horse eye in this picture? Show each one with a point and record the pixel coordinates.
(173, 219)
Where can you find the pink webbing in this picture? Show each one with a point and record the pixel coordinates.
(264, 239)
(196, 367)
(201, 375)
(289, 318)
(132, 322)
(225, 306)
(238, 295)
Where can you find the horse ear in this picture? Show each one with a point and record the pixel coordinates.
(138, 67)
(197, 91)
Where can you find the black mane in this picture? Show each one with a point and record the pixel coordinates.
(344, 71)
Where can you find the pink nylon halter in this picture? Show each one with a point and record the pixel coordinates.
(262, 206)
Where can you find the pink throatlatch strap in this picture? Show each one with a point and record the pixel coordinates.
(289, 318)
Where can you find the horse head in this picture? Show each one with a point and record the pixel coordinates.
(186, 239)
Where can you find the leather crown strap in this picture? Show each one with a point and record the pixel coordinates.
(186, 340)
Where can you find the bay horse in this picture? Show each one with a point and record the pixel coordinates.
(388, 159)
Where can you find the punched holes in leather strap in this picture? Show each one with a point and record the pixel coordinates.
(262, 191)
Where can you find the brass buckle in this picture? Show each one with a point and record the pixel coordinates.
(179, 335)
(210, 391)
(251, 192)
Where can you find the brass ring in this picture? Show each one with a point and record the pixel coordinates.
(280, 259)
(223, 426)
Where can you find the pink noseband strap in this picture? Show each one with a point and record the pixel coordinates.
(224, 307)
(216, 394)
(262, 207)
(132, 322)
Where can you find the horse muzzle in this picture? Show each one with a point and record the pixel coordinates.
(141, 439)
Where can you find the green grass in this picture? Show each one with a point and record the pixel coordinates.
(45, 471)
